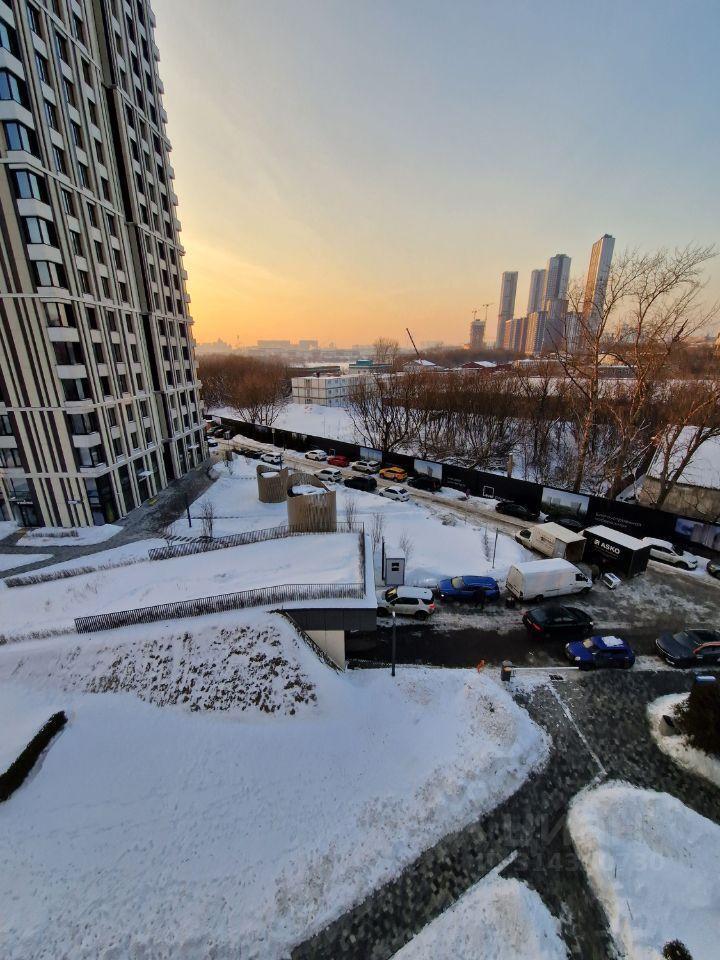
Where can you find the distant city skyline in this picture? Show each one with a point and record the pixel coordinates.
(351, 170)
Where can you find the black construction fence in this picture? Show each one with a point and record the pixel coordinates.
(590, 509)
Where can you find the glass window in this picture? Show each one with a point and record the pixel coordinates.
(12, 88)
(62, 48)
(49, 274)
(38, 230)
(59, 160)
(28, 186)
(33, 19)
(8, 38)
(51, 115)
(20, 137)
(42, 68)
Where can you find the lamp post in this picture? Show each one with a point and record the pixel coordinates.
(393, 644)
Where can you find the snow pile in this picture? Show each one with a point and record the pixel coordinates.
(653, 864)
(306, 490)
(311, 559)
(495, 920)
(257, 665)
(160, 832)
(7, 528)
(8, 561)
(68, 536)
(696, 761)
(22, 714)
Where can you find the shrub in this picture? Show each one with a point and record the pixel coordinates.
(675, 950)
(698, 717)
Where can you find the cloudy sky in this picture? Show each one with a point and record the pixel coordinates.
(347, 168)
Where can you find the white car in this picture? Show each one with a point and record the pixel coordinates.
(407, 601)
(274, 458)
(316, 455)
(329, 475)
(365, 466)
(395, 493)
(665, 552)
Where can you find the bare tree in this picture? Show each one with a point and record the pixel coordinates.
(207, 519)
(377, 529)
(386, 350)
(384, 409)
(350, 509)
(407, 545)
(257, 389)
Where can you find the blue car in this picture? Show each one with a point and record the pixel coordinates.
(598, 652)
(469, 589)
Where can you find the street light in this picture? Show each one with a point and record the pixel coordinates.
(393, 644)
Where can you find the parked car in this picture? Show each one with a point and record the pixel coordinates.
(393, 473)
(212, 443)
(519, 510)
(424, 482)
(329, 475)
(689, 647)
(713, 568)
(365, 466)
(316, 455)
(274, 458)
(455, 484)
(395, 493)
(361, 483)
(570, 523)
(336, 460)
(216, 432)
(597, 652)
(666, 552)
(469, 589)
(415, 602)
(557, 622)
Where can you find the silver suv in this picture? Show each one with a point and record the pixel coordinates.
(415, 602)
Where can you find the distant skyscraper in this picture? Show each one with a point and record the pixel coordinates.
(506, 310)
(557, 279)
(477, 334)
(537, 291)
(515, 338)
(597, 278)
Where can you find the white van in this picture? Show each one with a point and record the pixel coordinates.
(553, 540)
(539, 579)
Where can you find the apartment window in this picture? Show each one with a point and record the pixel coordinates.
(8, 38)
(76, 244)
(10, 458)
(20, 137)
(105, 188)
(99, 353)
(76, 134)
(117, 257)
(68, 354)
(86, 72)
(69, 91)
(66, 198)
(123, 291)
(111, 224)
(51, 115)
(38, 230)
(42, 67)
(99, 252)
(106, 288)
(6, 429)
(60, 315)
(84, 283)
(33, 19)
(92, 318)
(62, 48)
(81, 424)
(92, 112)
(99, 153)
(12, 88)
(112, 321)
(78, 28)
(59, 160)
(28, 186)
(92, 216)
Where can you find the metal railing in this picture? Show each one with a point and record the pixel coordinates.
(240, 539)
(257, 597)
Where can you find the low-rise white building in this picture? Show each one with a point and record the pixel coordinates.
(324, 391)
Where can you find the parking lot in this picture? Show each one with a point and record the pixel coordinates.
(458, 636)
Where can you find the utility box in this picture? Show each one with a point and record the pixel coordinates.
(393, 566)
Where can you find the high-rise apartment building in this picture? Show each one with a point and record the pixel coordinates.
(516, 331)
(537, 291)
(556, 279)
(477, 334)
(99, 402)
(596, 283)
(506, 308)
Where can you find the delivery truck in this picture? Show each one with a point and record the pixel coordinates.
(540, 579)
(612, 550)
(552, 540)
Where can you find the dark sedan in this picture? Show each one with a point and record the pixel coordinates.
(361, 483)
(690, 648)
(519, 510)
(423, 482)
(557, 622)
(713, 568)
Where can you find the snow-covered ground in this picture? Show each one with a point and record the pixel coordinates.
(137, 550)
(311, 559)
(311, 418)
(7, 528)
(442, 543)
(696, 761)
(68, 536)
(184, 832)
(653, 863)
(496, 919)
(22, 714)
(8, 561)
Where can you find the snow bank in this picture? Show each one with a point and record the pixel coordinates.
(696, 761)
(653, 863)
(7, 528)
(8, 561)
(160, 832)
(495, 920)
(22, 714)
(311, 559)
(68, 536)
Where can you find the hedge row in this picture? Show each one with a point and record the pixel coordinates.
(17, 772)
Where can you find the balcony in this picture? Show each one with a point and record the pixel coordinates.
(86, 440)
(72, 371)
(7, 442)
(63, 334)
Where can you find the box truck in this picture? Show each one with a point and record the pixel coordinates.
(540, 579)
(552, 540)
(616, 551)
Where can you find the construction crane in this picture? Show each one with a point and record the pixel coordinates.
(413, 343)
(486, 305)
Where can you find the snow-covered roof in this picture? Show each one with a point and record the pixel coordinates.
(615, 536)
(703, 468)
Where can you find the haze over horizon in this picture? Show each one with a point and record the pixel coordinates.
(345, 172)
